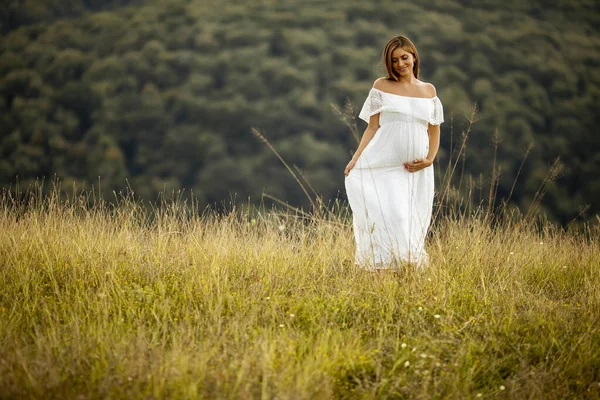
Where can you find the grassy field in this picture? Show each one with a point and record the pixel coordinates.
(112, 301)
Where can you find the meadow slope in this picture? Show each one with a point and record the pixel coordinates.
(114, 301)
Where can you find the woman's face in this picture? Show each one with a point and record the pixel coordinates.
(402, 62)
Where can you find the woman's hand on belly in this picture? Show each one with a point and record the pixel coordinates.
(417, 165)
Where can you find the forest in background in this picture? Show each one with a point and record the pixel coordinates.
(163, 94)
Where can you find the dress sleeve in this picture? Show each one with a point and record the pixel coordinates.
(372, 106)
(437, 112)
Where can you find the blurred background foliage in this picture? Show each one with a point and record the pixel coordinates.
(163, 94)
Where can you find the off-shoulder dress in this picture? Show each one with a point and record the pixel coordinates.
(392, 207)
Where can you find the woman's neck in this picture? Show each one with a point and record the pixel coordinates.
(407, 80)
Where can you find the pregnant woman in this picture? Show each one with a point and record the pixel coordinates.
(389, 181)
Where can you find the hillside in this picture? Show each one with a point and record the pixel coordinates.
(164, 94)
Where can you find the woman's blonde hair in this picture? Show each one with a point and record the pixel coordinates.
(407, 45)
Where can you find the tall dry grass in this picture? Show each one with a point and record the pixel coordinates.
(112, 300)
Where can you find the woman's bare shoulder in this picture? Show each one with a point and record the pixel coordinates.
(380, 83)
(428, 89)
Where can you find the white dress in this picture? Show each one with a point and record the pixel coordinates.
(391, 207)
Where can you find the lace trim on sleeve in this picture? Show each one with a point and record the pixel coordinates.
(437, 112)
(372, 106)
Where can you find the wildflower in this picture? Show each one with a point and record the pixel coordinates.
(437, 316)
(541, 242)
(564, 267)
(292, 315)
(281, 325)
(423, 355)
(420, 308)
(406, 364)
(268, 298)
(403, 345)
(502, 387)
(281, 228)
(512, 252)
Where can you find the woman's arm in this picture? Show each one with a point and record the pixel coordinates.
(434, 146)
(434, 141)
(364, 141)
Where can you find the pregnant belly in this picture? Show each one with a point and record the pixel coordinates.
(394, 144)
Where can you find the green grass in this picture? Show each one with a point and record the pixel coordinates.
(109, 301)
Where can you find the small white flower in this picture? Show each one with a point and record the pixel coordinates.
(423, 355)
(420, 308)
(564, 267)
(268, 298)
(502, 387)
(429, 279)
(281, 325)
(479, 394)
(292, 315)
(512, 252)
(281, 228)
(403, 345)
(437, 316)
(541, 242)
(406, 364)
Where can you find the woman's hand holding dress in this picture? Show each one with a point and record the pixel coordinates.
(349, 167)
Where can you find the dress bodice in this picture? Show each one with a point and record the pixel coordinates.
(389, 117)
(411, 109)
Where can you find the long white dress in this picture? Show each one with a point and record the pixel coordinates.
(392, 207)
